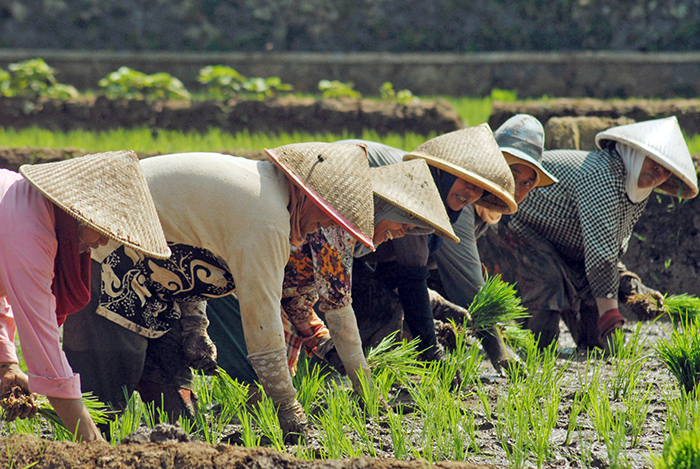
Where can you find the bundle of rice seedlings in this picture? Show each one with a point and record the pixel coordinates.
(399, 357)
(496, 305)
(645, 307)
(681, 353)
(683, 306)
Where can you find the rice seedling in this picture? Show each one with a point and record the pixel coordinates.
(681, 451)
(401, 358)
(129, 420)
(249, 435)
(682, 306)
(528, 410)
(265, 414)
(610, 424)
(398, 433)
(682, 409)
(681, 353)
(495, 304)
(332, 434)
(171, 141)
(627, 361)
(467, 357)
(636, 405)
(210, 424)
(308, 382)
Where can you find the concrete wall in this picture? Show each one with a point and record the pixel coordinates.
(583, 74)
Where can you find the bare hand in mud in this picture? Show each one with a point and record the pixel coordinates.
(18, 404)
(646, 307)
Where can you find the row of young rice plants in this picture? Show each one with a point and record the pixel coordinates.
(421, 411)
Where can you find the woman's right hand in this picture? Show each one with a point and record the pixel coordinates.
(76, 418)
(10, 376)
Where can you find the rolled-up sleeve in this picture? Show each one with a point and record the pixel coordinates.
(28, 250)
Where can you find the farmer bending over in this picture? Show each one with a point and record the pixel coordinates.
(50, 219)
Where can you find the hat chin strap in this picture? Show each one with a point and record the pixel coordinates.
(633, 160)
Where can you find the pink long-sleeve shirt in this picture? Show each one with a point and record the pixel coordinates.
(27, 252)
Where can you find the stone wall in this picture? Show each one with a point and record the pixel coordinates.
(352, 25)
(585, 74)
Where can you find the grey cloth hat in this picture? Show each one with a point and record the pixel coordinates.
(662, 141)
(522, 136)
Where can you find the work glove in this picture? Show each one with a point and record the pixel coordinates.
(342, 325)
(445, 310)
(646, 303)
(200, 351)
(273, 373)
(15, 398)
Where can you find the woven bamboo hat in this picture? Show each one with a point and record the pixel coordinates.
(410, 186)
(662, 141)
(336, 177)
(108, 193)
(522, 136)
(473, 155)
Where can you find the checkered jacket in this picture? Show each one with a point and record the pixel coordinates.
(587, 216)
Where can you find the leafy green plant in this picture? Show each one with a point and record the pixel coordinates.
(33, 79)
(681, 353)
(265, 414)
(338, 89)
(221, 81)
(402, 97)
(127, 83)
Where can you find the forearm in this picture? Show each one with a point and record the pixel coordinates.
(606, 304)
(76, 418)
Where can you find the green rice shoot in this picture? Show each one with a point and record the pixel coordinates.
(682, 306)
(681, 353)
(496, 304)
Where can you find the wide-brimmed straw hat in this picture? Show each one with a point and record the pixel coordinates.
(410, 186)
(336, 177)
(108, 193)
(473, 155)
(522, 136)
(662, 141)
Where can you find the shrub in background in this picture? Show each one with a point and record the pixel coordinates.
(223, 82)
(33, 79)
(402, 97)
(128, 83)
(338, 89)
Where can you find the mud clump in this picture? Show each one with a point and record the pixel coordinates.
(18, 404)
(30, 451)
(644, 307)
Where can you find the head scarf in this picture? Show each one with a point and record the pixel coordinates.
(633, 160)
(384, 210)
(298, 207)
(444, 181)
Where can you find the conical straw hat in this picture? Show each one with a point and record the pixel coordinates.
(108, 193)
(473, 155)
(522, 136)
(410, 186)
(336, 177)
(662, 141)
